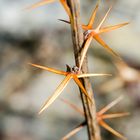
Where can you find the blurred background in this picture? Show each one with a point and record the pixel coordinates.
(37, 36)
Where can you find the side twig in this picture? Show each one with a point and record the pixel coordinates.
(78, 39)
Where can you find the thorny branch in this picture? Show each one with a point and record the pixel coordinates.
(78, 39)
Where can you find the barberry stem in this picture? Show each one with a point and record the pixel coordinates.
(78, 39)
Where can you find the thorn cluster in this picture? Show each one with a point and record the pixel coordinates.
(101, 116)
(71, 73)
(93, 33)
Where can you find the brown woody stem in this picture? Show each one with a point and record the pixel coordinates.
(78, 39)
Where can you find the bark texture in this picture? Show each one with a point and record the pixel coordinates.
(78, 39)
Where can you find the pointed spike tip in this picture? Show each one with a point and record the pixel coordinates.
(38, 4)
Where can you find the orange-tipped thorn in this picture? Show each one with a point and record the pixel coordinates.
(44, 2)
(74, 131)
(107, 127)
(71, 74)
(113, 103)
(38, 4)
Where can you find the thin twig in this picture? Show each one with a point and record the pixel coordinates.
(77, 37)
